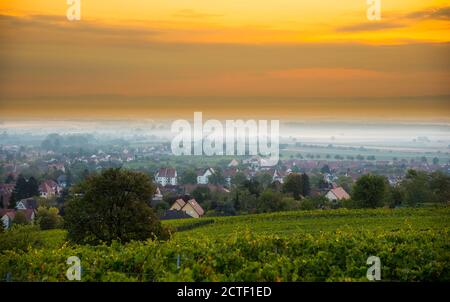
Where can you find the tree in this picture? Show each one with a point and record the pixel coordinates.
(48, 218)
(294, 184)
(395, 197)
(217, 177)
(32, 187)
(435, 161)
(253, 186)
(369, 191)
(416, 186)
(112, 206)
(269, 201)
(238, 179)
(307, 204)
(244, 201)
(9, 179)
(19, 191)
(20, 218)
(440, 186)
(289, 204)
(345, 182)
(23, 189)
(52, 142)
(189, 177)
(201, 194)
(161, 208)
(325, 169)
(264, 178)
(306, 184)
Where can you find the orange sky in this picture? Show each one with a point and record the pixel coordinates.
(277, 57)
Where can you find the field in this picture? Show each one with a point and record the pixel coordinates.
(332, 245)
(379, 153)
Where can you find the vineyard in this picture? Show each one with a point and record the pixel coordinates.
(412, 244)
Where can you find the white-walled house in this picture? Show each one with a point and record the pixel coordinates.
(26, 204)
(49, 189)
(7, 216)
(166, 176)
(203, 176)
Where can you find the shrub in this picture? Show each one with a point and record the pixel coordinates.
(20, 218)
(48, 218)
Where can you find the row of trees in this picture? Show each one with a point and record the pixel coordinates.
(371, 191)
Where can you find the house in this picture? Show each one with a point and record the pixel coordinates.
(278, 176)
(27, 204)
(57, 167)
(203, 175)
(254, 162)
(62, 181)
(228, 174)
(233, 163)
(166, 176)
(49, 189)
(157, 197)
(337, 194)
(7, 216)
(5, 194)
(188, 189)
(190, 207)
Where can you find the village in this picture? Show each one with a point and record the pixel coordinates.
(186, 187)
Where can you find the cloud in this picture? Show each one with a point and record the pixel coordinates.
(441, 13)
(192, 14)
(401, 21)
(61, 24)
(370, 26)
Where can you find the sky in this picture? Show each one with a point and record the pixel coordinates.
(291, 59)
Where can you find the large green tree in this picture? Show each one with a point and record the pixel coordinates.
(188, 177)
(306, 185)
(416, 187)
(440, 186)
(293, 184)
(370, 191)
(112, 205)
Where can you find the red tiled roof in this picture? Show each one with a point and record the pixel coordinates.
(230, 172)
(202, 172)
(196, 207)
(12, 213)
(340, 193)
(46, 188)
(180, 202)
(166, 172)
